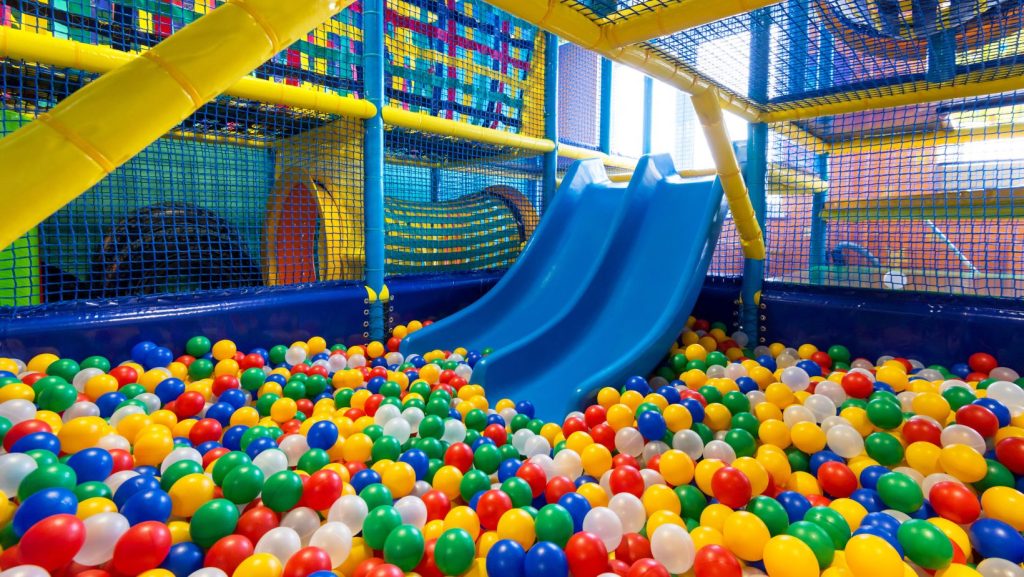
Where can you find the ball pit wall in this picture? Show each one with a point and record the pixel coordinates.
(249, 317)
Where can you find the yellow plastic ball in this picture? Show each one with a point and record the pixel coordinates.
(695, 352)
(704, 536)
(607, 397)
(660, 498)
(316, 345)
(15, 391)
(677, 418)
(179, 532)
(151, 449)
(715, 515)
(804, 483)
(787, 556)
(851, 510)
(41, 362)
(447, 480)
(745, 534)
(755, 472)
(779, 395)
(375, 349)
(932, 405)
(717, 416)
(259, 565)
(1004, 504)
(703, 473)
(596, 459)
(871, 556)
(619, 416)
(99, 385)
(659, 518)
(517, 525)
(776, 463)
(463, 518)
(433, 529)
(95, 506)
(963, 462)
(808, 437)
(283, 409)
(224, 349)
(774, 432)
(955, 533)
(358, 448)
(924, 457)
(676, 467)
(247, 416)
(806, 350)
(189, 493)
(400, 478)
(81, 433)
(594, 494)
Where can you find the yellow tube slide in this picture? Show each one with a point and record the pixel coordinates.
(711, 119)
(49, 162)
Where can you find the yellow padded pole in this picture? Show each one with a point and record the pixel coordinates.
(663, 20)
(710, 114)
(50, 161)
(63, 53)
(426, 123)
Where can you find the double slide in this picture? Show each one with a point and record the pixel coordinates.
(600, 292)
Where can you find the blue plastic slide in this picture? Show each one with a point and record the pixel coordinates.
(599, 294)
(558, 264)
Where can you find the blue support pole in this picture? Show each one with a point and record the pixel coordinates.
(941, 56)
(605, 136)
(797, 14)
(648, 112)
(373, 159)
(756, 170)
(550, 117)
(819, 227)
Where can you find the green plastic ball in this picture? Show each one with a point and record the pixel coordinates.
(900, 492)
(282, 491)
(212, 521)
(404, 547)
(198, 346)
(554, 524)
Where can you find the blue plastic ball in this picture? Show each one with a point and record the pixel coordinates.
(92, 464)
(507, 558)
(153, 505)
(141, 350)
(184, 559)
(322, 435)
(169, 389)
(547, 559)
(578, 507)
(994, 538)
(795, 504)
(42, 504)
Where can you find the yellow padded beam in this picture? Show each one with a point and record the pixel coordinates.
(665, 19)
(50, 161)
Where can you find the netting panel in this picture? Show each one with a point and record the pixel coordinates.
(453, 205)
(235, 197)
(328, 59)
(821, 51)
(465, 60)
(929, 202)
(579, 97)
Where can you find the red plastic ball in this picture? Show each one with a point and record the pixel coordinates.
(393, 344)
(52, 542)
(457, 382)
(573, 425)
(587, 555)
(647, 568)
(822, 359)
(624, 460)
(225, 382)
(205, 430)
(437, 503)
(379, 372)
(141, 548)
(978, 418)
(496, 433)
(916, 430)
(125, 375)
(619, 567)
(186, 360)
(982, 362)
(955, 502)
(837, 479)
(300, 369)
(557, 487)
(626, 479)
(123, 460)
(534, 476)
(446, 376)
(250, 361)
(364, 568)
(460, 456)
(214, 454)
(189, 404)
(731, 487)
(228, 553)
(305, 406)
(428, 565)
(27, 427)
(716, 561)
(604, 434)
(594, 415)
(306, 561)
(255, 522)
(819, 500)
(857, 385)
(491, 506)
(1010, 452)
(372, 404)
(386, 570)
(632, 548)
(692, 394)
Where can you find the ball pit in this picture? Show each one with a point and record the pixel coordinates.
(309, 460)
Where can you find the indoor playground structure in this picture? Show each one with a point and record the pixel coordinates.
(519, 288)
